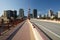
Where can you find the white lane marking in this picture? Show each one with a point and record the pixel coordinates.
(36, 33)
(49, 31)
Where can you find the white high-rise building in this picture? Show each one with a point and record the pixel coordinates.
(21, 13)
(58, 14)
(50, 13)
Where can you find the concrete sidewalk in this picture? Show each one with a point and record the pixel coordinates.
(25, 33)
(7, 33)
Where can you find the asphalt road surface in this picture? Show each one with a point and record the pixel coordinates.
(51, 29)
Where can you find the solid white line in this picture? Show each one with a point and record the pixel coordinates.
(49, 30)
(36, 33)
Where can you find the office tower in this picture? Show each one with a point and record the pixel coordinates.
(10, 14)
(21, 13)
(34, 13)
(15, 14)
(50, 13)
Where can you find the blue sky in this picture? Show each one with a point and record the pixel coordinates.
(41, 5)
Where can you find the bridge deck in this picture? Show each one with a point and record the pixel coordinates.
(25, 33)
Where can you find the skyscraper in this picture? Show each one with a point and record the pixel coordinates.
(50, 13)
(15, 14)
(10, 13)
(34, 13)
(21, 13)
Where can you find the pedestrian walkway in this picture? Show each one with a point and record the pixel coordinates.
(25, 33)
(7, 33)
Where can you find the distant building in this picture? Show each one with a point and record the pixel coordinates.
(58, 14)
(43, 16)
(10, 13)
(34, 13)
(50, 13)
(21, 13)
(40, 16)
(15, 14)
(31, 15)
(5, 14)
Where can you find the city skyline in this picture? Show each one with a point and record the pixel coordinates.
(41, 5)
